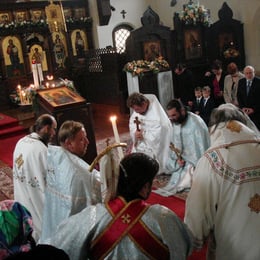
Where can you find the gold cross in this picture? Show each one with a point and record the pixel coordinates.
(126, 219)
(176, 151)
(19, 161)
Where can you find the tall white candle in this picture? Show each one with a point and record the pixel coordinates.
(23, 102)
(19, 92)
(117, 139)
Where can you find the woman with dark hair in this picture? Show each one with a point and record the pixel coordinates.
(215, 80)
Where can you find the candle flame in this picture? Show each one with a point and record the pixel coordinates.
(49, 77)
(113, 118)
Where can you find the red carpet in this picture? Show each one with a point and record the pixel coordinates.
(7, 146)
(6, 120)
(10, 133)
(177, 205)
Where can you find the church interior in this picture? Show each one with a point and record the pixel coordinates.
(74, 59)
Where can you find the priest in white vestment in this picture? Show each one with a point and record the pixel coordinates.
(116, 229)
(224, 200)
(30, 167)
(149, 126)
(190, 139)
(70, 185)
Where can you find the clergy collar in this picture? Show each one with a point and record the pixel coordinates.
(36, 136)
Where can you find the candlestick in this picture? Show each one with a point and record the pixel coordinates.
(117, 139)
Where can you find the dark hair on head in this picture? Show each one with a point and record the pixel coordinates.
(206, 88)
(135, 170)
(41, 122)
(68, 130)
(175, 103)
(232, 68)
(216, 65)
(224, 113)
(198, 89)
(136, 99)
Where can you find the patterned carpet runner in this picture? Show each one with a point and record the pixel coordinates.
(6, 182)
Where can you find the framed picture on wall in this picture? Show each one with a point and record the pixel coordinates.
(37, 15)
(67, 13)
(13, 56)
(79, 43)
(152, 50)
(5, 18)
(227, 45)
(20, 16)
(192, 43)
(79, 12)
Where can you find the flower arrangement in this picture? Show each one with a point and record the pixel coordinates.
(138, 67)
(193, 14)
(68, 83)
(23, 24)
(82, 20)
(42, 23)
(231, 53)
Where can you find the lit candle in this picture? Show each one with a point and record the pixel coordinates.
(23, 97)
(49, 77)
(47, 85)
(117, 139)
(19, 92)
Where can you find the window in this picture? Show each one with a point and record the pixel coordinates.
(120, 34)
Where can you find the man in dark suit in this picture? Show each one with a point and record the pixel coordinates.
(196, 104)
(183, 83)
(248, 95)
(208, 104)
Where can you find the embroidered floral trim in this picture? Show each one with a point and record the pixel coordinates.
(19, 161)
(231, 174)
(34, 182)
(233, 126)
(254, 203)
